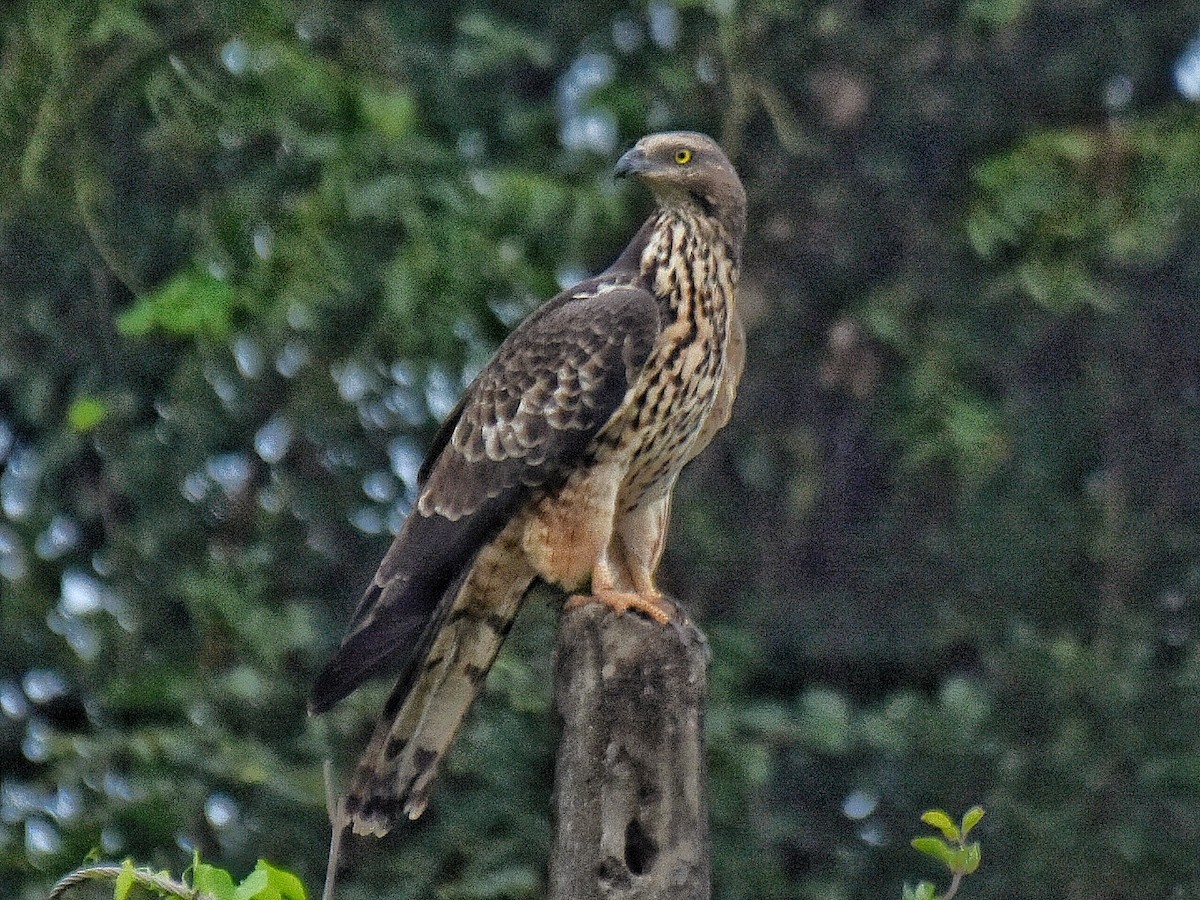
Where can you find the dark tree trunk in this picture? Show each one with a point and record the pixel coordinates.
(630, 792)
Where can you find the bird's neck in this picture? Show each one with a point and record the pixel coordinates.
(686, 255)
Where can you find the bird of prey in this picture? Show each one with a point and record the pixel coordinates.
(557, 463)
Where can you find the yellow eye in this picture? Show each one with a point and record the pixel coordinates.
(683, 156)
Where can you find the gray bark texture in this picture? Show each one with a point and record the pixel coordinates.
(630, 785)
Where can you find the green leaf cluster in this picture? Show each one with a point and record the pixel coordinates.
(201, 881)
(952, 850)
(266, 882)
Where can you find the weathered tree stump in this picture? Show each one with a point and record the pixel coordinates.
(630, 788)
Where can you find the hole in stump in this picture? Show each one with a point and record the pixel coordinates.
(639, 849)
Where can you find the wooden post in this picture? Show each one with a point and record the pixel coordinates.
(630, 790)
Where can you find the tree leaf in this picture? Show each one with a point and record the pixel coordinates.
(253, 885)
(937, 848)
(974, 856)
(191, 302)
(938, 819)
(124, 881)
(923, 891)
(971, 818)
(288, 885)
(213, 880)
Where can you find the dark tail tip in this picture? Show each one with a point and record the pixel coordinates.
(330, 687)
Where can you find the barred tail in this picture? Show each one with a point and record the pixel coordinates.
(422, 717)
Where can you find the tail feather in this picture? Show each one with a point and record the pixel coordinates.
(423, 715)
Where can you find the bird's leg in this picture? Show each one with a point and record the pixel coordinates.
(623, 577)
(639, 537)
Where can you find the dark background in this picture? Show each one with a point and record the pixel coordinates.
(947, 552)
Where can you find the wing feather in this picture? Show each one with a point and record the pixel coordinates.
(525, 422)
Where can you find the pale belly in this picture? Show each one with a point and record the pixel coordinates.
(640, 457)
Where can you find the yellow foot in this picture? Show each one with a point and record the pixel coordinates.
(656, 606)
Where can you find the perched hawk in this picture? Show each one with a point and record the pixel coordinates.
(557, 463)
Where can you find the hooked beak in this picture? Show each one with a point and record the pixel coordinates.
(632, 163)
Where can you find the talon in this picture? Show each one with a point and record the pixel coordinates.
(654, 606)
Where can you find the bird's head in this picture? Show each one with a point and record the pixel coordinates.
(685, 166)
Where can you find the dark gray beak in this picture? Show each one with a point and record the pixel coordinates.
(632, 163)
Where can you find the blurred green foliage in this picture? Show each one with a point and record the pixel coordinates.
(945, 553)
